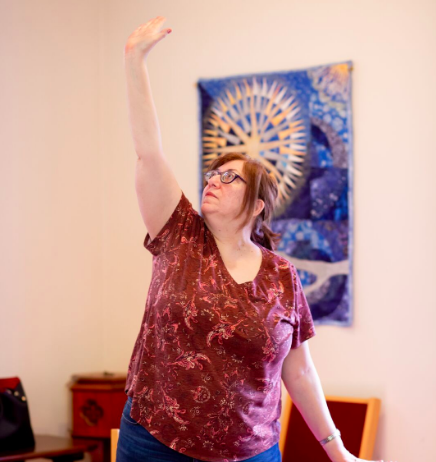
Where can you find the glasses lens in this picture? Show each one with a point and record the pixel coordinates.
(227, 177)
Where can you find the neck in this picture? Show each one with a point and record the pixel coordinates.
(229, 239)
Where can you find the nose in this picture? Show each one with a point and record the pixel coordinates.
(212, 184)
(214, 180)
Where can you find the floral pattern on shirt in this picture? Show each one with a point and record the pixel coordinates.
(205, 372)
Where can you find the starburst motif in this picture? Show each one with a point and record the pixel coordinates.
(262, 120)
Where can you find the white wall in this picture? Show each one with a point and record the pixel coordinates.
(74, 274)
(51, 192)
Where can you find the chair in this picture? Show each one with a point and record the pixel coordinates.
(357, 419)
(114, 441)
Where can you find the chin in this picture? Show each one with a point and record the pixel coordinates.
(205, 207)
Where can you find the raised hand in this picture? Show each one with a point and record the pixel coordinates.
(145, 37)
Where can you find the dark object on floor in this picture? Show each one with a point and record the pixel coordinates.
(15, 428)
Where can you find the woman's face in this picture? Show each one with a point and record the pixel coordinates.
(224, 200)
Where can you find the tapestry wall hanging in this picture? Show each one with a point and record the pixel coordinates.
(298, 125)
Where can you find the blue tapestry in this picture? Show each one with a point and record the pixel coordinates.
(298, 125)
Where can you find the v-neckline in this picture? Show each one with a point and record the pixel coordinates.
(242, 284)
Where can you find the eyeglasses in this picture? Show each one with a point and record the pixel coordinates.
(226, 177)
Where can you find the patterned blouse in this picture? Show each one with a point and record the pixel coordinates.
(205, 373)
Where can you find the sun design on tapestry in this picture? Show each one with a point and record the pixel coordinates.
(264, 121)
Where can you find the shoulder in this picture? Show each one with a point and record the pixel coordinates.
(277, 260)
(185, 212)
(185, 204)
(278, 269)
(184, 225)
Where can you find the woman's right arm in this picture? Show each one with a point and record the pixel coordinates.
(156, 186)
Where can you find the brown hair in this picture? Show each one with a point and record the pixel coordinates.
(260, 185)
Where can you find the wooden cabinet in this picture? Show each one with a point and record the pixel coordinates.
(98, 402)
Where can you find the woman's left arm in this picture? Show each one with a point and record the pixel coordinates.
(304, 387)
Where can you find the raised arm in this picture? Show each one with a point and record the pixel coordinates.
(156, 186)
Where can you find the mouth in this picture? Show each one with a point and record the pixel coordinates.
(210, 194)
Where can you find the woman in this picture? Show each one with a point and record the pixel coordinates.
(226, 318)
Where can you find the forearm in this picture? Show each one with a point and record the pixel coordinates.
(307, 395)
(142, 112)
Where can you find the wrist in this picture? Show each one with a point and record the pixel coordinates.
(132, 52)
(336, 451)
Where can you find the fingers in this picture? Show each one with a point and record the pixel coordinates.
(163, 34)
(148, 34)
(153, 25)
(157, 22)
(157, 19)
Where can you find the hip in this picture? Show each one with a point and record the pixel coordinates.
(136, 444)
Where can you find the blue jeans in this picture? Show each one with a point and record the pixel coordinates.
(136, 444)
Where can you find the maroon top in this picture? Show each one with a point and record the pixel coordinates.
(205, 373)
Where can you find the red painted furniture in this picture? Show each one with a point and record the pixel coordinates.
(98, 402)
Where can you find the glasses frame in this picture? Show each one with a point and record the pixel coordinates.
(212, 173)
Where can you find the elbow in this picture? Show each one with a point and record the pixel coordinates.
(298, 374)
(298, 369)
(297, 384)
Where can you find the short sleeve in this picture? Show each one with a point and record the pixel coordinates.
(303, 321)
(184, 223)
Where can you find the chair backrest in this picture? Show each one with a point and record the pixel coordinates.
(114, 443)
(356, 418)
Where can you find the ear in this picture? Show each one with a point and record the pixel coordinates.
(259, 207)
